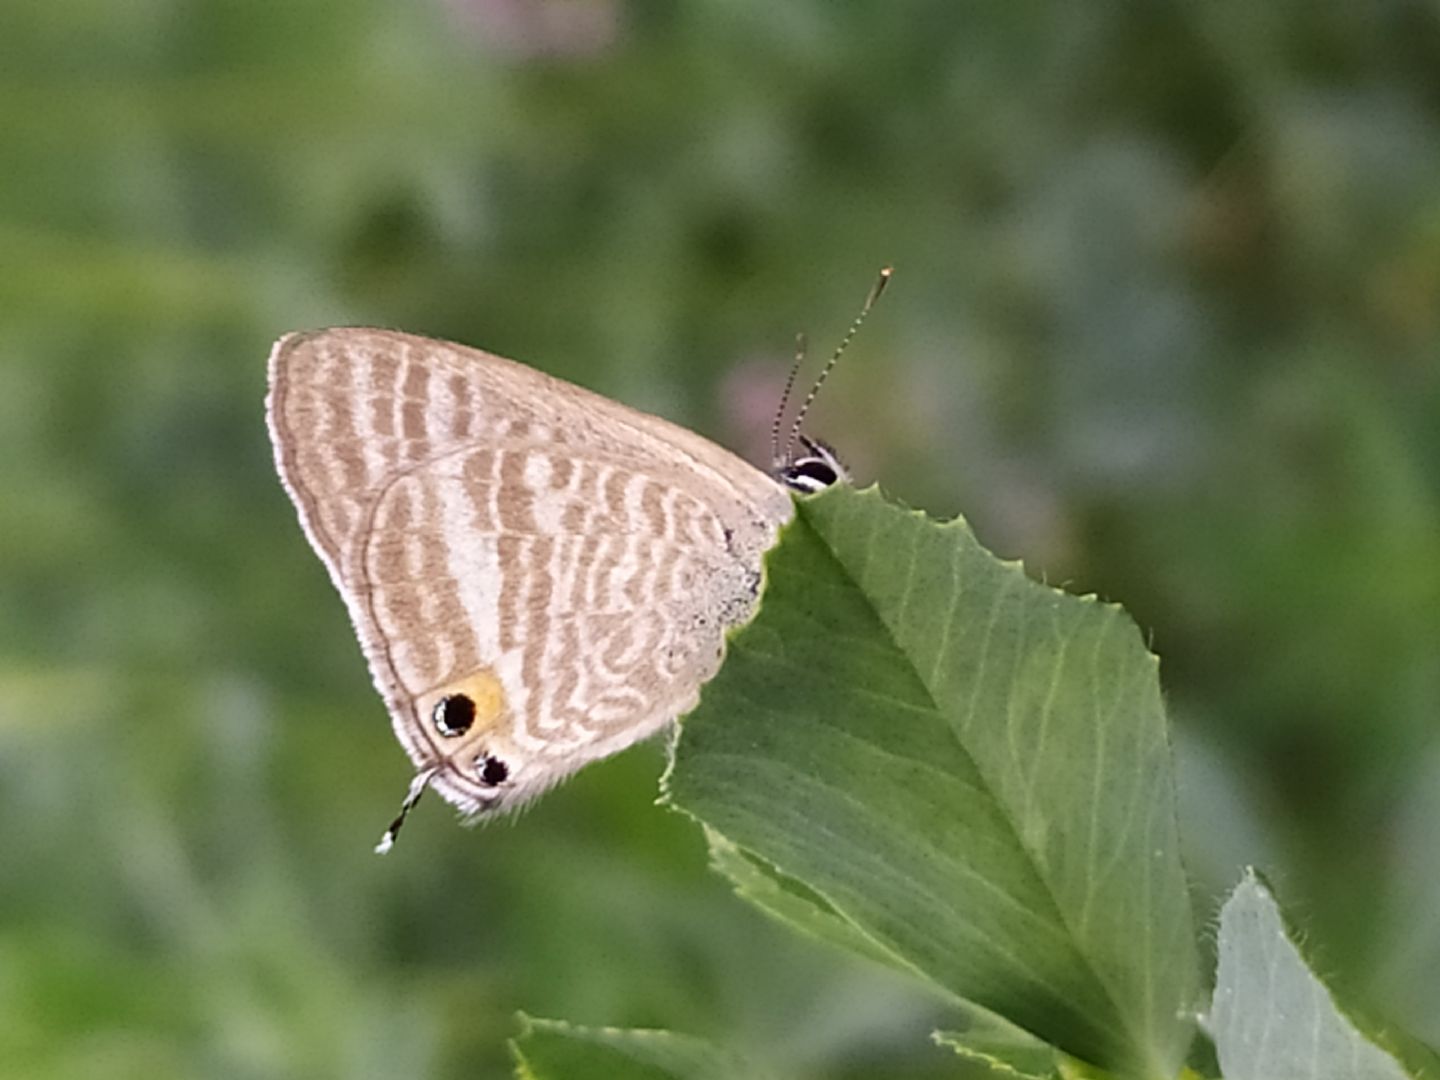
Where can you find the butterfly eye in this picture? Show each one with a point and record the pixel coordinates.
(453, 714)
(814, 469)
(492, 770)
(810, 475)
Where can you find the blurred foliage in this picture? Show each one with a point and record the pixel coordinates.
(1166, 323)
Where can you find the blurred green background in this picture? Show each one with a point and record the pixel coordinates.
(1165, 323)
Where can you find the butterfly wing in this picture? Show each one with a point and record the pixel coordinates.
(566, 564)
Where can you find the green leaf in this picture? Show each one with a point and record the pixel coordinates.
(789, 900)
(555, 1050)
(1272, 1018)
(967, 769)
(1002, 1048)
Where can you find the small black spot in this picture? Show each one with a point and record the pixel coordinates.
(492, 770)
(453, 714)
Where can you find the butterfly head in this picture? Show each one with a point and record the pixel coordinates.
(813, 467)
(813, 470)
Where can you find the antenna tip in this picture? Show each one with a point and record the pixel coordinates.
(875, 290)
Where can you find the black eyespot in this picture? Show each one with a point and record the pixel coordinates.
(492, 770)
(453, 714)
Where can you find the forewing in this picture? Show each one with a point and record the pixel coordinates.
(568, 561)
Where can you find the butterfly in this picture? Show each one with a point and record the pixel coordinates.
(538, 576)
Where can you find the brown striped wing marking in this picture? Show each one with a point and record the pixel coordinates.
(567, 563)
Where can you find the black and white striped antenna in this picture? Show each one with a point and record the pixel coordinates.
(781, 458)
